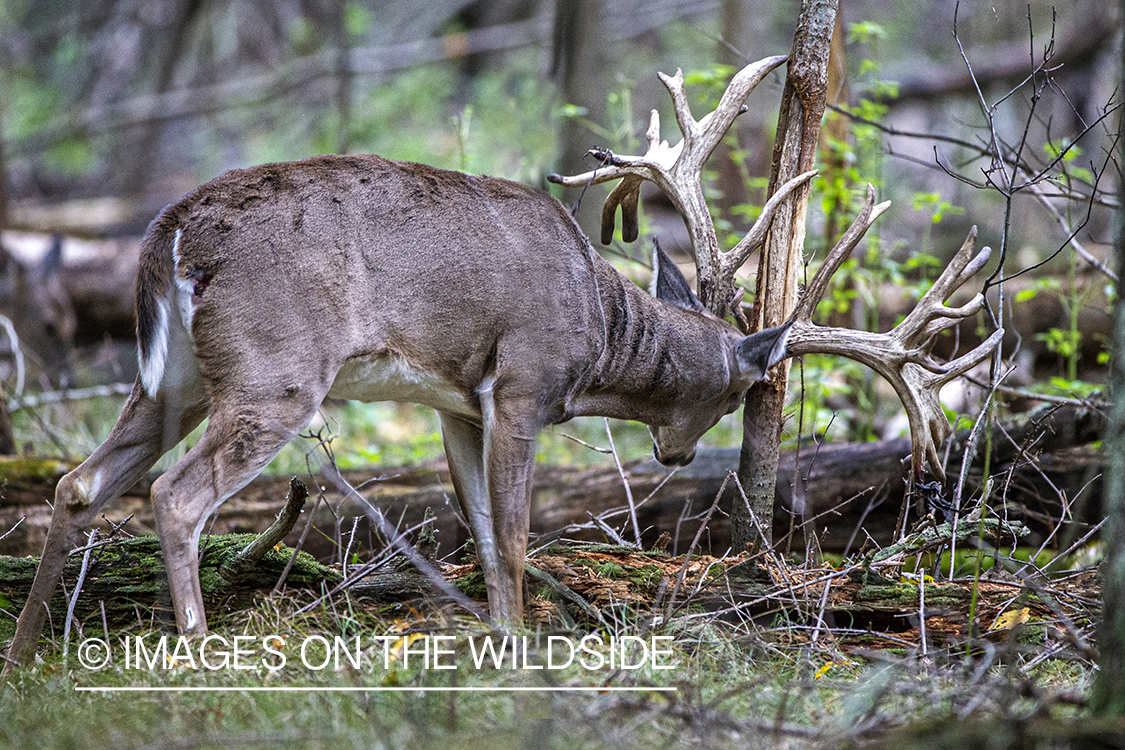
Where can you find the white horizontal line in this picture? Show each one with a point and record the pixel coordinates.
(357, 689)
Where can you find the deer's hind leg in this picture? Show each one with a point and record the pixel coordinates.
(243, 435)
(146, 429)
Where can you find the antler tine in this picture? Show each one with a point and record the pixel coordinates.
(941, 318)
(675, 85)
(957, 272)
(701, 137)
(736, 256)
(974, 266)
(838, 254)
(931, 305)
(677, 171)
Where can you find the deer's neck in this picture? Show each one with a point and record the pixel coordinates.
(656, 355)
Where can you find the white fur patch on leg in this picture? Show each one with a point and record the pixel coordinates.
(488, 415)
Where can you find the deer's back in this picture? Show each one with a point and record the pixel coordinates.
(356, 257)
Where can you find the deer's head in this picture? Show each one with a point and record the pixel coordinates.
(748, 358)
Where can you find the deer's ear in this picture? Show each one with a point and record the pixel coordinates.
(669, 284)
(760, 351)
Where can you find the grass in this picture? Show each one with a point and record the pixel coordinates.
(739, 684)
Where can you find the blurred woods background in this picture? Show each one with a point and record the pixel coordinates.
(111, 109)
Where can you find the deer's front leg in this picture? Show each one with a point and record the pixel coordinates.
(464, 451)
(509, 454)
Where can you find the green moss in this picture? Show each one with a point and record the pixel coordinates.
(23, 470)
(610, 569)
(648, 576)
(472, 585)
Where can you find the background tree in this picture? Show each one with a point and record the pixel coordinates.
(1108, 696)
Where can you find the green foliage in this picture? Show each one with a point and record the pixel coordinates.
(358, 19)
(710, 83)
(1061, 341)
(935, 205)
(1064, 153)
(865, 32)
(620, 132)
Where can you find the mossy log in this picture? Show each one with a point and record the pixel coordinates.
(126, 580)
(846, 486)
(587, 584)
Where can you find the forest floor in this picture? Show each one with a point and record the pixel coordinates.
(623, 647)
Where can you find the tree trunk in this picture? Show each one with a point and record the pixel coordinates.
(7, 442)
(140, 149)
(342, 40)
(3, 178)
(1107, 697)
(794, 152)
(579, 62)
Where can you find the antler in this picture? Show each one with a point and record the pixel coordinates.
(678, 170)
(901, 355)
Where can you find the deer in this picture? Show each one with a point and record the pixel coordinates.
(269, 289)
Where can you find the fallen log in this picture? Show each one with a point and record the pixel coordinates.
(589, 584)
(126, 583)
(846, 492)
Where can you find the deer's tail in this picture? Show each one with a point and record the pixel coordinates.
(157, 295)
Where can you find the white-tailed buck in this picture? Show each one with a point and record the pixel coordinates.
(269, 289)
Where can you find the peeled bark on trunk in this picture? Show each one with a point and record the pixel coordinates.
(798, 133)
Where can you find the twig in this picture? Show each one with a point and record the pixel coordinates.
(1007, 390)
(68, 394)
(17, 353)
(566, 592)
(398, 541)
(348, 549)
(1072, 238)
(77, 590)
(691, 549)
(625, 482)
(922, 609)
(16, 526)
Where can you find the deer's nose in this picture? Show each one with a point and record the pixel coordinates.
(675, 459)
